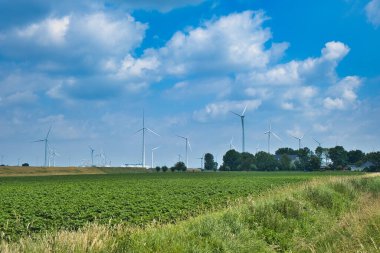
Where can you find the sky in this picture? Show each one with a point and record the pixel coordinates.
(88, 69)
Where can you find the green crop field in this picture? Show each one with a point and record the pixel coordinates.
(31, 205)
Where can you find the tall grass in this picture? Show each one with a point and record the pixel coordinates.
(340, 215)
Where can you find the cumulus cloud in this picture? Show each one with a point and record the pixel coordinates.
(343, 94)
(213, 110)
(372, 10)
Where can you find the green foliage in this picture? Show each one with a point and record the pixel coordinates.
(180, 166)
(164, 168)
(31, 205)
(286, 151)
(231, 161)
(247, 162)
(265, 161)
(285, 162)
(355, 156)
(374, 158)
(339, 157)
(209, 162)
(158, 168)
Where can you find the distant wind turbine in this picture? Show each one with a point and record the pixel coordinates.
(299, 140)
(201, 158)
(92, 155)
(187, 144)
(231, 144)
(242, 126)
(143, 129)
(53, 154)
(46, 146)
(153, 149)
(269, 133)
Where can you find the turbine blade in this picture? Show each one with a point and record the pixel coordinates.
(155, 148)
(150, 130)
(39, 140)
(138, 131)
(180, 136)
(235, 113)
(188, 143)
(48, 133)
(245, 108)
(275, 135)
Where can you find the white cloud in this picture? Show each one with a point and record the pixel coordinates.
(372, 10)
(343, 93)
(49, 31)
(162, 5)
(231, 43)
(334, 51)
(223, 107)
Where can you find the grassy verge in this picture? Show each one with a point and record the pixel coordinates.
(338, 215)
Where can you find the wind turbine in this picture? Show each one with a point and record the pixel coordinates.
(299, 140)
(231, 143)
(187, 144)
(46, 145)
(201, 158)
(92, 155)
(143, 129)
(53, 154)
(153, 149)
(269, 133)
(319, 144)
(242, 126)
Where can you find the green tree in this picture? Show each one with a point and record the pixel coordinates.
(158, 168)
(285, 162)
(374, 158)
(314, 163)
(355, 156)
(164, 168)
(265, 161)
(247, 161)
(338, 156)
(231, 160)
(286, 151)
(209, 162)
(180, 166)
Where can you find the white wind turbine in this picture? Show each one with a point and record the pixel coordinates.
(143, 129)
(231, 144)
(201, 158)
(242, 126)
(153, 149)
(299, 140)
(187, 144)
(92, 155)
(46, 146)
(53, 155)
(269, 133)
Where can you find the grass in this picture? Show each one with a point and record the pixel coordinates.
(323, 215)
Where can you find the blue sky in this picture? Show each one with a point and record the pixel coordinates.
(90, 69)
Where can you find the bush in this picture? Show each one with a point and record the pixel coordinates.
(164, 168)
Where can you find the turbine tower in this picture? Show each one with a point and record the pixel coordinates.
(299, 140)
(143, 129)
(46, 146)
(187, 144)
(202, 164)
(242, 126)
(153, 149)
(92, 155)
(269, 133)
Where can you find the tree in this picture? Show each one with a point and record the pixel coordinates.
(265, 161)
(180, 166)
(209, 162)
(25, 164)
(374, 158)
(355, 156)
(338, 156)
(247, 161)
(158, 168)
(164, 168)
(314, 163)
(286, 151)
(285, 162)
(231, 160)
